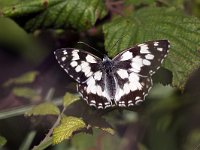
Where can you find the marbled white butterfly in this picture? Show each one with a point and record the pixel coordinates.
(122, 81)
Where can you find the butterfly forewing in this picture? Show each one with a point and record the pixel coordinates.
(79, 64)
(143, 59)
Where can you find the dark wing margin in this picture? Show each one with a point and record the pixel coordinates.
(143, 59)
(79, 64)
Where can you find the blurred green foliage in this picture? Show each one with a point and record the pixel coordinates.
(46, 108)
(31, 30)
(28, 77)
(2, 141)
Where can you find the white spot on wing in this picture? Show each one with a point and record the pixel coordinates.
(146, 62)
(126, 88)
(100, 107)
(119, 94)
(78, 68)
(133, 77)
(74, 63)
(98, 75)
(92, 104)
(99, 90)
(137, 97)
(155, 43)
(160, 49)
(65, 52)
(87, 71)
(126, 56)
(134, 82)
(89, 74)
(136, 64)
(75, 55)
(84, 64)
(144, 48)
(130, 102)
(149, 56)
(138, 102)
(90, 59)
(91, 88)
(122, 73)
(93, 101)
(63, 58)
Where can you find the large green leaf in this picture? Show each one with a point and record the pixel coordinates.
(159, 23)
(66, 128)
(58, 13)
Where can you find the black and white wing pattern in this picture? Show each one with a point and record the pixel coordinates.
(143, 59)
(134, 68)
(79, 64)
(123, 81)
(85, 68)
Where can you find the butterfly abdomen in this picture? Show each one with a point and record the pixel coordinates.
(110, 83)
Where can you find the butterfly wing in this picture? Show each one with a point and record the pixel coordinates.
(131, 91)
(143, 59)
(79, 64)
(134, 68)
(86, 70)
(94, 92)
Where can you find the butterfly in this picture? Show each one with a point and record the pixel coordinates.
(123, 81)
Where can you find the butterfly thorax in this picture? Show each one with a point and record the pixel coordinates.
(110, 83)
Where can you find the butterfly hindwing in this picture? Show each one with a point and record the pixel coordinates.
(96, 96)
(79, 64)
(132, 90)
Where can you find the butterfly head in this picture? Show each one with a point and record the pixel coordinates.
(106, 58)
(107, 64)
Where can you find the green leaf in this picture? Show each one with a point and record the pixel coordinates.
(69, 99)
(3, 141)
(26, 93)
(159, 23)
(140, 2)
(67, 126)
(44, 109)
(58, 13)
(28, 77)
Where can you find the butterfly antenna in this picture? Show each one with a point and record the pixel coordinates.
(117, 42)
(90, 47)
